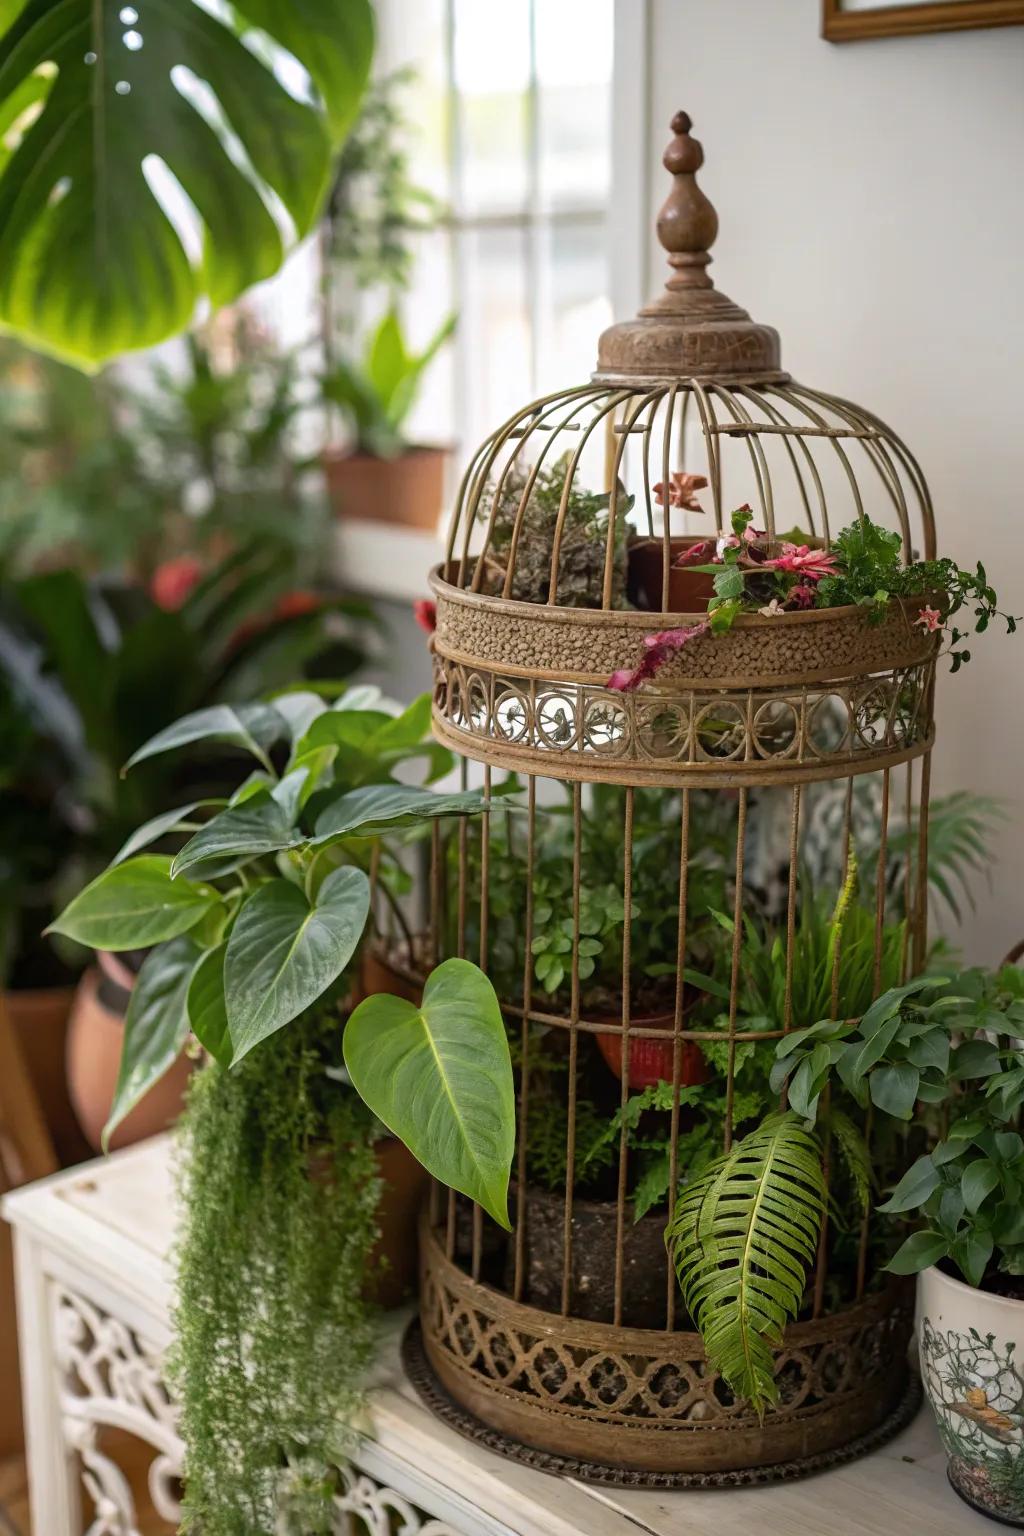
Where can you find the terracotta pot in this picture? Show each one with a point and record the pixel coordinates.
(95, 1037)
(652, 1061)
(592, 1264)
(688, 591)
(408, 490)
(394, 1259)
(971, 1347)
(39, 1017)
(377, 974)
(396, 1254)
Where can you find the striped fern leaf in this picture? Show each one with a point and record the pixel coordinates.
(742, 1237)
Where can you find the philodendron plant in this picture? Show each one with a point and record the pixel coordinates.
(261, 912)
(745, 1233)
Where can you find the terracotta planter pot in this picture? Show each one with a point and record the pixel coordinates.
(651, 1061)
(592, 1264)
(376, 974)
(408, 490)
(972, 1362)
(39, 1017)
(94, 1040)
(396, 1254)
(688, 591)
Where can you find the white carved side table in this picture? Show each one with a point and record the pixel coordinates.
(94, 1292)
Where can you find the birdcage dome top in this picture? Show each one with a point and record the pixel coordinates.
(688, 414)
(574, 516)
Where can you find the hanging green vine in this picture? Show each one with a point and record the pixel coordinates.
(272, 1329)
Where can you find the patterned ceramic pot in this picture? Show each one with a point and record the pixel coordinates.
(972, 1362)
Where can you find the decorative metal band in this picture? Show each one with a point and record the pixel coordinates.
(647, 1398)
(574, 730)
(418, 1369)
(586, 645)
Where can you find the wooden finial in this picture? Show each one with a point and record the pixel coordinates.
(687, 223)
(691, 330)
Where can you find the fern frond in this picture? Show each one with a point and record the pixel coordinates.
(854, 1151)
(742, 1237)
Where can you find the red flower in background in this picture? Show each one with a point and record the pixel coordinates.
(173, 581)
(424, 611)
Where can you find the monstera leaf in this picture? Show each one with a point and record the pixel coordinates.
(104, 105)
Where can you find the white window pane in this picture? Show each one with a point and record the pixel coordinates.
(427, 305)
(575, 306)
(574, 50)
(495, 325)
(492, 77)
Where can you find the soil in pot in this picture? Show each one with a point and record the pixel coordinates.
(93, 1057)
(592, 1264)
(407, 490)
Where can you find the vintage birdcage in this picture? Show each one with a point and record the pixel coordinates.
(724, 819)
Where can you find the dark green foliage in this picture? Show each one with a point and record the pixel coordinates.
(272, 1331)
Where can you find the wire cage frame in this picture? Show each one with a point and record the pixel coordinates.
(783, 764)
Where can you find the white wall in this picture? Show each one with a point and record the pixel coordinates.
(871, 203)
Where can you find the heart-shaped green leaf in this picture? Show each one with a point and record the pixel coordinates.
(207, 1013)
(157, 826)
(253, 727)
(283, 953)
(90, 262)
(259, 825)
(155, 1026)
(440, 1077)
(382, 808)
(133, 905)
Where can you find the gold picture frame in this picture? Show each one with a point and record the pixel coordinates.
(840, 24)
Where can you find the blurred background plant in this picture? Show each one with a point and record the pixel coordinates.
(90, 667)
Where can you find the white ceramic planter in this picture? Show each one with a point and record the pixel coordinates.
(972, 1362)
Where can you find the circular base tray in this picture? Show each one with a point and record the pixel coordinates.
(419, 1371)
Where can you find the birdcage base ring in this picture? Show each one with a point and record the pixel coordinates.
(645, 1398)
(421, 1374)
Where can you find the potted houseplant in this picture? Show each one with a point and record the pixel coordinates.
(524, 509)
(382, 475)
(968, 1248)
(755, 577)
(89, 669)
(253, 931)
(374, 214)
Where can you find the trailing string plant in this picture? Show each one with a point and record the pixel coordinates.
(745, 1234)
(252, 929)
(279, 1189)
(756, 574)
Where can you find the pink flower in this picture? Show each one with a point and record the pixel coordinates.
(811, 564)
(658, 649)
(681, 491)
(173, 581)
(801, 596)
(424, 611)
(929, 619)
